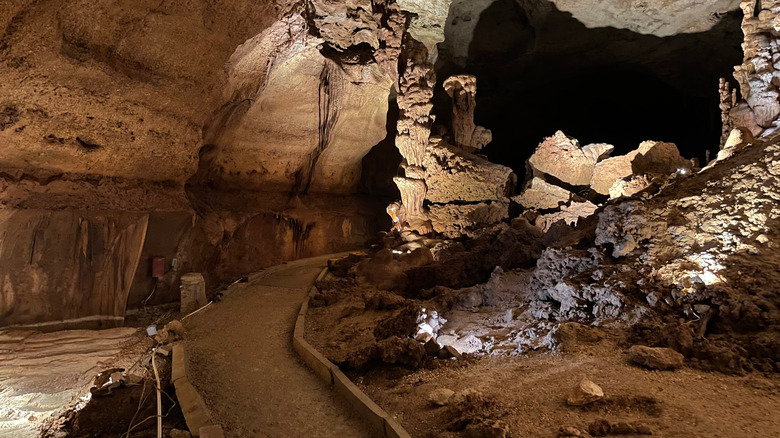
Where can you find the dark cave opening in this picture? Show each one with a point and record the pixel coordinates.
(540, 70)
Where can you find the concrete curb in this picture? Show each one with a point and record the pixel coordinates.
(196, 414)
(381, 423)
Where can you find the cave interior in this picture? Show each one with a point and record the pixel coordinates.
(468, 218)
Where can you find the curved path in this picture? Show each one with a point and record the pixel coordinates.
(240, 358)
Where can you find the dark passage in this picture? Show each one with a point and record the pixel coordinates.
(540, 70)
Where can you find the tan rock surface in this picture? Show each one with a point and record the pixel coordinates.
(453, 175)
(561, 157)
(542, 195)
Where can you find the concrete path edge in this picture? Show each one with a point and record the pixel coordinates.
(381, 423)
(196, 414)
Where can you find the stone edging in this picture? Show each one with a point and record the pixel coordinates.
(380, 422)
(196, 414)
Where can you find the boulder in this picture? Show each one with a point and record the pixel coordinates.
(432, 348)
(440, 396)
(598, 151)
(541, 195)
(657, 157)
(459, 176)
(401, 351)
(487, 429)
(656, 358)
(584, 393)
(630, 186)
(561, 157)
(455, 220)
(606, 172)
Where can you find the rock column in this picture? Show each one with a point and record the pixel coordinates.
(416, 82)
(462, 89)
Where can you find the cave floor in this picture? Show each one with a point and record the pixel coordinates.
(529, 394)
(240, 358)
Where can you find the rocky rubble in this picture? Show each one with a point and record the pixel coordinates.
(567, 182)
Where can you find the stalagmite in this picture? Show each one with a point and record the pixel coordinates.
(462, 89)
(416, 83)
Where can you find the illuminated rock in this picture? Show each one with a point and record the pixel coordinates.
(455, 220)
(561, 157)
(607, 172)
(541, 195)
(454, 176)
(584, 393)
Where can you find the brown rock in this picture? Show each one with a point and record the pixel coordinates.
(561, 157)
(573, 431)
(656, 358)
(440, 396)
(453, 175)
(606, 172)
(541, 195)
(432, 348)
(657, 157)
(487, 429)
(449, 351)
(600, 427)
(584, 393)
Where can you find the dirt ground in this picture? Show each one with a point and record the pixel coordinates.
(529, 394)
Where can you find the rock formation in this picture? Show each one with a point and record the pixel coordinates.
(414, 128)
(462, 89)
(564, 177)
(760, 108)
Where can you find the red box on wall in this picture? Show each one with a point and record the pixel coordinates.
(158, 267)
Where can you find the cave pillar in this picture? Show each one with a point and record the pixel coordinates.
(462, 89)
(415, 91)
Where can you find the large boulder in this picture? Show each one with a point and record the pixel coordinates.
(608, 171)
(455, 220)
(542, 195)
(657, 157)
(458, 176)
(562, 158)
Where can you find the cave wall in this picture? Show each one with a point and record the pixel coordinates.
(75, 268)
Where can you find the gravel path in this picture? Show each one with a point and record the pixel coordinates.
(242, 362)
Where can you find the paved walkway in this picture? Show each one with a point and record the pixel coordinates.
(242, 362)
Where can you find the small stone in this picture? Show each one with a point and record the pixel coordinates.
(573, 431)
(432, 348)
(440, 396)
(642, 429)
(584, 393)
(466, 395)
(176, 433)
(599, 427)
(652, 299)
(449, 351)
(487, 429)
(762, 239)
(656, 358)
(623, 428)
